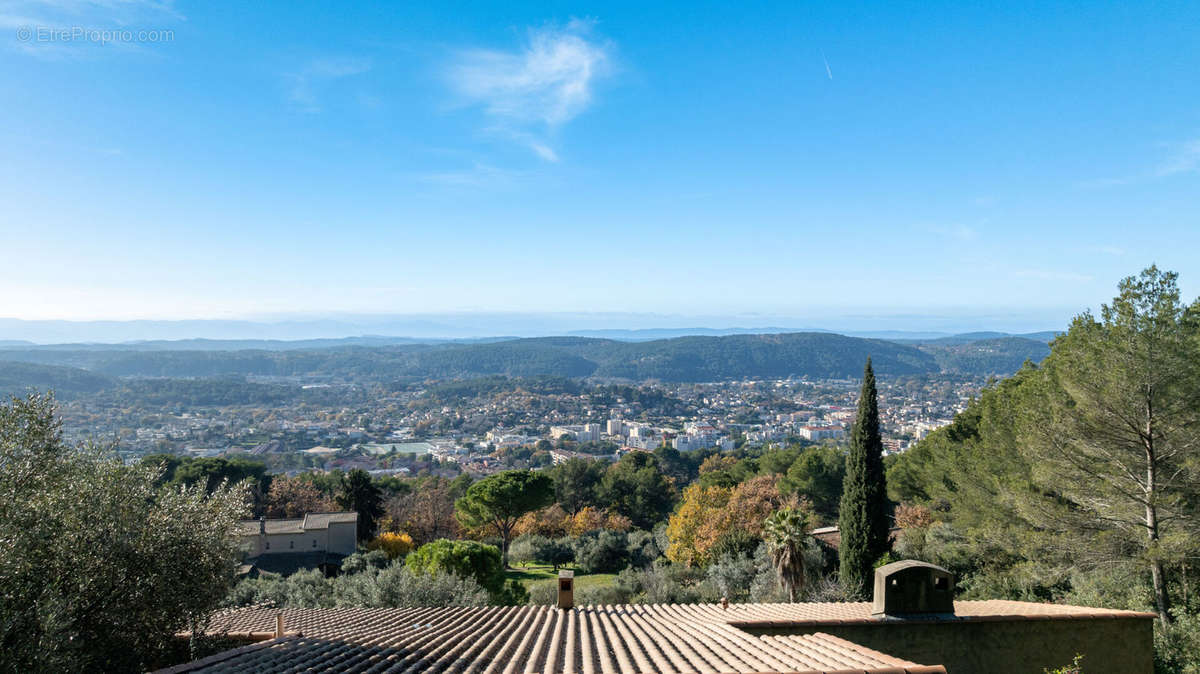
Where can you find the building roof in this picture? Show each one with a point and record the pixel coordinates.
(310, 522)
(586, 640)
(582, 640)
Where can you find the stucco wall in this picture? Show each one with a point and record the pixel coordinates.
(1108, 645)
(256, 544)
(343, 537)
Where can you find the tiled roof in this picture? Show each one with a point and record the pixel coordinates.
(530, 639)
(309, 522)
(841, 613)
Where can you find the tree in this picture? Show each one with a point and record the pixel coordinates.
(499, 500)
(863, 516)
(575, 483)
(465, 559)
(683, 528)
(292, 497)
(394, 544)
(709, 517)
(359, 494)
(817, 475)
(101, 566)
(426, 514)
(785, 531)
(636, 487)
(1112, 432)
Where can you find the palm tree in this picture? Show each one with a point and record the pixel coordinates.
(785, 531)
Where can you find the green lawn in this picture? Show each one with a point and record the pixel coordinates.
(532, 575)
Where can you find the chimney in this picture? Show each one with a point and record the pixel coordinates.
(912, 589)
(278, 625)
(566, 589)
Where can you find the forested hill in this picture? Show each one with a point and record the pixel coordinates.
(683, 359)
(18, 378)
(1000, 356)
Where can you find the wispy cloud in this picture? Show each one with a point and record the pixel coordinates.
(532, 91)
(304, 87)
(1181, 157)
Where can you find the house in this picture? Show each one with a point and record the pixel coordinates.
(906, 626)
(318, 540)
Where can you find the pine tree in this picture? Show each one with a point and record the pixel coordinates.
(863, 518)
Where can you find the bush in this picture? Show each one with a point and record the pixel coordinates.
(602, 551)
(465, 559)
(1177, 648)
(393, 544)
(526, 549)
(359, 562)
(397, 586)
(641, 548)
(392, 586)
(733, 575)
(657, 584)
(558, 552)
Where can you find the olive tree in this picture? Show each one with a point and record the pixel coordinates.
(99, 566)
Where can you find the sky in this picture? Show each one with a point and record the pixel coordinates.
(816, 163)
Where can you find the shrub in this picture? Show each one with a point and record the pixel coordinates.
(733, 575)
(602, 551)
(526, 549)
(359, 562)
(641, 548)
(393, 544)
(397, 586)
(465, 559)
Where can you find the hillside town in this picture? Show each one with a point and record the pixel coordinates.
(468, 427)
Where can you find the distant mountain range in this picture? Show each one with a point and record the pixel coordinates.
(680, 359)
(444, 327)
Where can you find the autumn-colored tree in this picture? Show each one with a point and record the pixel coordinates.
(426, 514)
(596, 519)
(699, 504)
(551, 522)
(913, 516)
(717, 462)
(707, 514)
(394, 544)
(293, 497)
(749, 505)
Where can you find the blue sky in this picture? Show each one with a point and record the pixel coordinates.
(807, 161)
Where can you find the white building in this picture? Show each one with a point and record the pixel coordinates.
(816, 433)
(581, 432)
(311, 541)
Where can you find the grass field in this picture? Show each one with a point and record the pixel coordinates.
(533, 575)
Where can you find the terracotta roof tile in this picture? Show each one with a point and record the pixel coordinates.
(529, 640)
(583, 640)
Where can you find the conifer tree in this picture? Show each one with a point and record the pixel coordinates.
(863, 517)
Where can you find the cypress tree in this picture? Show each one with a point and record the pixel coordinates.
(863, 517)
